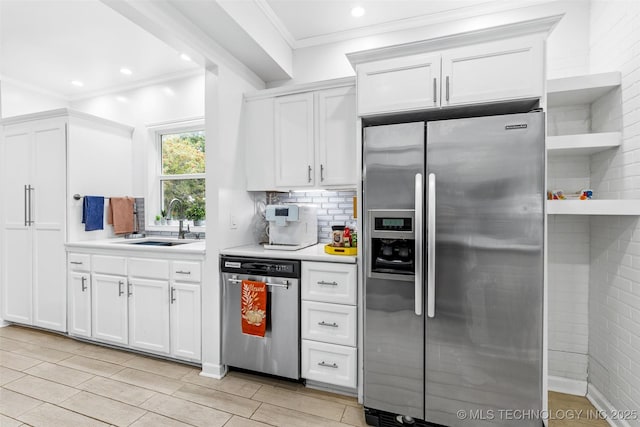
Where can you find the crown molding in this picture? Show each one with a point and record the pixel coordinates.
(276, 22)
(518, 29)
(67, 112)
(298, 88)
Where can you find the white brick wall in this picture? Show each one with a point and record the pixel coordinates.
(614, 286)
(568, 263)
(334, 208)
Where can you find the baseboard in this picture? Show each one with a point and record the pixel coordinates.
(3, 323)
(603, 405)
(212, 370)
(567, 386)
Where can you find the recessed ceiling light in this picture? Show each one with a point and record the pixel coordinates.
(125, 71)
(122, 99)
(357, 11)
(185, 57)
(77, 83)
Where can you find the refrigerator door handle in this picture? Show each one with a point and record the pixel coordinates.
(431, 247)
(419, 218)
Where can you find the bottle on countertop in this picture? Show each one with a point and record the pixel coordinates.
(346, 237)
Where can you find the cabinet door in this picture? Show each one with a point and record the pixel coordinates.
(501, 70)
(109, 308)
(259, 145)
(79, 295)
(336, 137)
(48, 199)
(149, 314)
(15, 155)
(294, 152)
(399, 84)
(185, 321)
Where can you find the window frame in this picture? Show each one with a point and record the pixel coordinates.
(155, 177)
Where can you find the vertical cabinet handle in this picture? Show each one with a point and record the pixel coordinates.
(321, 173)
(447, 88)
(309, 172)
(84, 283)
(435, 91)
(120, 290)
(431, 248)
(31, 221)
(129, 293)
(173, 295)
(26, 222)
(418, 216)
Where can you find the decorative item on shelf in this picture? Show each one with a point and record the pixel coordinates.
(163, 219)
(586, 194)
(158, 220)
(196, 212)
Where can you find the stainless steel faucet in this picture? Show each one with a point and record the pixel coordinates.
(181, 230)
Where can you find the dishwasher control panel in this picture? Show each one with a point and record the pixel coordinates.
(260, 266)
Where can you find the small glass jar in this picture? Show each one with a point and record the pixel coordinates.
(337, 236)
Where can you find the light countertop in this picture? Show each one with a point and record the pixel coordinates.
(194, 247)
(311, 253)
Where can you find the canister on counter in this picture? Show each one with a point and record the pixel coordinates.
(337, 235)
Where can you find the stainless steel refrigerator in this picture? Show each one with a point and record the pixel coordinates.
(454, 233)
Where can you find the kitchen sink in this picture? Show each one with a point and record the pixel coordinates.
(158, 242)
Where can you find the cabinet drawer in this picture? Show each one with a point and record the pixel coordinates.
(105, 264)
(79, 262)
(151, 268)
(329, 282)
(185, 271)
(329, 363)
(332, 323)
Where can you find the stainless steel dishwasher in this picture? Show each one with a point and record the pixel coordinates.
(278, 352)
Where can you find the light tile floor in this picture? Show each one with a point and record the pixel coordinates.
(50, 380)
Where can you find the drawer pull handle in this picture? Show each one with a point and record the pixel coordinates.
(323, 323)
(328, 365)
(75, 262)
(322, 282)
(183, 272)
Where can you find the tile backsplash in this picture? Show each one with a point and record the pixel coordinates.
(334, 208)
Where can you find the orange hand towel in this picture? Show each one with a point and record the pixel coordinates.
(121, 214)
(254, 308)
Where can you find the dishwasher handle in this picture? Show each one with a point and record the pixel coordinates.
(285, 283)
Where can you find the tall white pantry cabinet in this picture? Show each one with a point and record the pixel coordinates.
(36, 215)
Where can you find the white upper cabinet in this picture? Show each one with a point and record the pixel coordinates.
(294, 152)
(335, 137)
(499, 70)
(302, 138)
(408, 83)
(496, 71)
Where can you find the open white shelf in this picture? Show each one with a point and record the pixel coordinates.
(593, 207)
(580, 89)
(583, 144)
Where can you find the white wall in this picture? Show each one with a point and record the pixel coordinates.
(567, 53)
(226, 196)
(162, 102)
(614, 288)
(17, 99)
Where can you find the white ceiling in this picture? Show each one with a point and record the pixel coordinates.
(48, 43)
(317, 19)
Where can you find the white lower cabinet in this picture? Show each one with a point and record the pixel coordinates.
(329, 363)
(185, 321)
(145, 304)
(329, 323)
(109, 308)
(149, 315)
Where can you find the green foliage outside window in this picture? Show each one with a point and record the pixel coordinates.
(183, 153)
